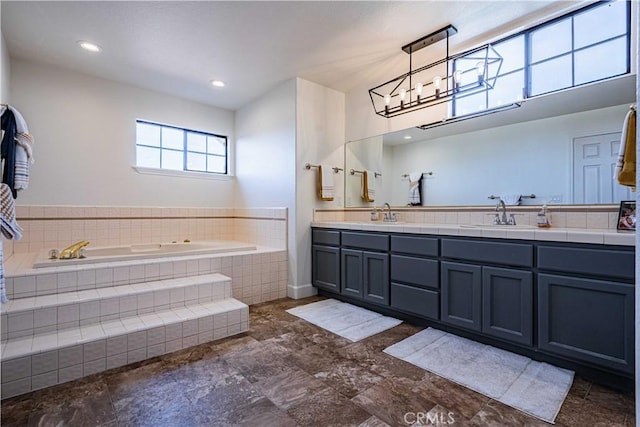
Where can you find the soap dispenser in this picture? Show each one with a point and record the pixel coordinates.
(544, 220)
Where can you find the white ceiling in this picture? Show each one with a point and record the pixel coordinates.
(179, 47)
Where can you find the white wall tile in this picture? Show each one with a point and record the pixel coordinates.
(156, 350)
(151, 271)
(89, 310)
(70, 356)
(44, 362)
(189, 327)
(69, 373)
(68, 313)
(24, 285)
(45, 317)
(156, 336)
(117, 345)
(95, 366)
(190, 341)
(161, 298)
(46, 284)
(20, 321)
(136, 340)
(116, 360)
(121, 275)
(173, 331)
(44, 380)
(128, 303)
(104, 276)
(137, 355)
(68, 281)
(109, 307)
(173, 345)
(94, 350)
(16, 369)
(15, 388)
(177, 295)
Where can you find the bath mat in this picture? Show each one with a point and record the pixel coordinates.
(348, 321)
(535, 388)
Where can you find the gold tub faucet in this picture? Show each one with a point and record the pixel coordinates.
(73, 250)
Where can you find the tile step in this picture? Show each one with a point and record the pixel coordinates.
(47, 313)
(39, 361)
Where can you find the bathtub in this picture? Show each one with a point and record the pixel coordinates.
(100, 254)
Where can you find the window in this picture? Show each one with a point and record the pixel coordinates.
(173, 148)
(582, 47)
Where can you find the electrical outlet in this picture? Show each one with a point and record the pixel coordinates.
(556, 198)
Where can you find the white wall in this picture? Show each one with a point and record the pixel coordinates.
(530, 157)
(266, 157)
(320, 119)
(5, 71)
(84, 130)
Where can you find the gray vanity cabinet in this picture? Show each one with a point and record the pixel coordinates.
(325, 252)
(461, 295)
(365, 266)
(586, 305)
(496, 301)
(415, 276)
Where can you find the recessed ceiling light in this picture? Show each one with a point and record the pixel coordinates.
(217, 83)
(407, 137)
(91, 47)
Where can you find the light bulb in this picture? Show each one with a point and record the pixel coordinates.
(387, 100)
(457, 78)
(419, 91)
(437, 84)
(480, 70)
(403, 95)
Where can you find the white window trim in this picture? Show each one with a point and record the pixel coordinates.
(183, 174)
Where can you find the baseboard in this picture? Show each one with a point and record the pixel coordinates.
(301, 291)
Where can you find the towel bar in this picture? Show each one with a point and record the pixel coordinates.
(308, 166)
(406, 175)
(524, 196)
(337, 169)
(353, 171)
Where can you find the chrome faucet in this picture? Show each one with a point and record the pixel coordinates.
(388, 216)
(73, 250)
(500, 207)
(502, 219)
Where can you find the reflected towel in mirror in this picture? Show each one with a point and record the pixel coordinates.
(368, 186)
(415, 184)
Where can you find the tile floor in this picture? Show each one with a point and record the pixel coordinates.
(286, 372)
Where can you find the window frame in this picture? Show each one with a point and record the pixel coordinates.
(185, 152)
(528, 64)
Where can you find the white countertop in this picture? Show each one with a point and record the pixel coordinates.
(577, 235)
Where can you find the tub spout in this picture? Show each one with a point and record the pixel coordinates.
(72, 251)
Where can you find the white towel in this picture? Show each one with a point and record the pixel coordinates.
(24, 150)
(9, 227)
(325, 183)
(368, 186)
(511, 199)
(414, 188)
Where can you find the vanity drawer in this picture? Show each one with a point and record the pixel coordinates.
(415, 271)
(422, 302)
(425, 246)
(326, 237)
(599, 262)
(515, 254)
(376, 242)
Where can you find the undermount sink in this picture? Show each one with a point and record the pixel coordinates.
(500, 226)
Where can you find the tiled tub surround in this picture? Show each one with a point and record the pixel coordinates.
(47, 227)
(73, 320)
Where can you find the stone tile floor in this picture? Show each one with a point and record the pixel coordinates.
(287, 372)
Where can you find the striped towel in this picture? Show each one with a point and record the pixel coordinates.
(23, 150)
(414, 188)
(9, 227)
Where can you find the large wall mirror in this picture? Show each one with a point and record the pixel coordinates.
(560, 147)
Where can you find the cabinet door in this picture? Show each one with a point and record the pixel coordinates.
(507, 304)
(326, 267)
(351, 267)
(375, 277)
(585, 319)
(460, 296)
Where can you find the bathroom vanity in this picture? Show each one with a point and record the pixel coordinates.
(568, 303)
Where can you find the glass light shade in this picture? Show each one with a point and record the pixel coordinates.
(419, 89)
(437, 82)
(457, 76)
(403, 94)
(387, 100)
(480, 69)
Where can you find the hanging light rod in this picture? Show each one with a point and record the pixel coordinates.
(430, 39)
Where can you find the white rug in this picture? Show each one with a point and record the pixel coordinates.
(348, 321)
(536, 388)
